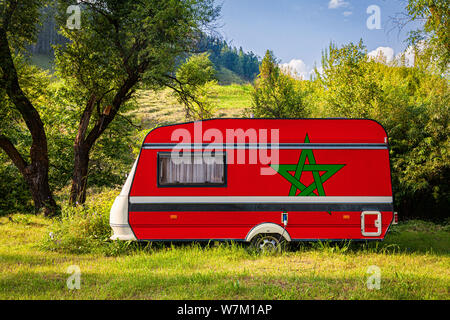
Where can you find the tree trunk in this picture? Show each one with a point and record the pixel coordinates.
(35, 175)
(80, 174)
(36, 172)
(84, 141)
(81, 156)
(40, 191)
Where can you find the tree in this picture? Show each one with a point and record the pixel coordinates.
(351, 90)
(196, 76)
(433, 38)
(121, 46)
(18, 21)
(276, 94)
(222, 55)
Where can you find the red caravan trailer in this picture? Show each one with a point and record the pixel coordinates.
(247, 179)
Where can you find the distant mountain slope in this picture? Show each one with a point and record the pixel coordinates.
(243, 64)
(226, 77)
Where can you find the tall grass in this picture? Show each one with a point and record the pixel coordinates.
(85, 229)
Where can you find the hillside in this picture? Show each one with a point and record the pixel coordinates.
(223, 75)
(160, 108)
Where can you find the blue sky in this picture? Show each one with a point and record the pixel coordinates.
(299, 29)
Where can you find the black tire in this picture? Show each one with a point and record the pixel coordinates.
(268, 242)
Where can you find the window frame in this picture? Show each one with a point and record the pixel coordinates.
(195, 185)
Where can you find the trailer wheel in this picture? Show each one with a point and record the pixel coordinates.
(268, 243)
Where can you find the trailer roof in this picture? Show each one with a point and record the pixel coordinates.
(330, 130)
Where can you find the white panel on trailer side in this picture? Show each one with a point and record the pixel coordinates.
(118, 218)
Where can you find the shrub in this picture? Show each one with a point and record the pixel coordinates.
(17, 198)
(276, 93)
(85, 229)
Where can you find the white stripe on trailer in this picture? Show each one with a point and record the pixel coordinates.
(238, 199)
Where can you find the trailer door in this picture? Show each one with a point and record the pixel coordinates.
(371, 223)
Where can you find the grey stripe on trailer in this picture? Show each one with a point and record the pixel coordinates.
(292, 146)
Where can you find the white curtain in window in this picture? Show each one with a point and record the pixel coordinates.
(196, 171)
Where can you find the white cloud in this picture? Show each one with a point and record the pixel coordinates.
(406, 57)
(386, 54)
(334, 4)
(347, 13)
(297, 67)
(382, 54)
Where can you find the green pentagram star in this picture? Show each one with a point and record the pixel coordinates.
(328, 171)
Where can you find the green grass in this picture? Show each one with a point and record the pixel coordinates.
(158, 108)
(414, 262)
(232, 100)
(226, 77)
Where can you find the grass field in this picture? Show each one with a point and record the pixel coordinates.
(414, 263)
(161, 108)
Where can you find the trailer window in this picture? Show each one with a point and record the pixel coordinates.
(193, 170)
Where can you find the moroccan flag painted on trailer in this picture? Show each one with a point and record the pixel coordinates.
(331, 177)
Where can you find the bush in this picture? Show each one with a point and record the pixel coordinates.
(85, 229)
(17, 198)
(197, 83)
(276, 92)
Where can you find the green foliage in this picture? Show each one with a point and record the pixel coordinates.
(412, 105)
(197, 83)
(351, 90)
(14, 192)
(20, 19)
(120, 48)
(34, 83)
(119, 40)
(85, 229)
(196, 71)
(243, 64)
(276, 94)
(113, 156)
(58, 108)
(12, 124)
(434, 37)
